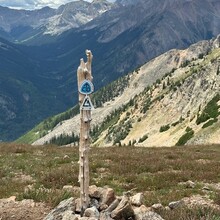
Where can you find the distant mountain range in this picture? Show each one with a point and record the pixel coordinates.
(23, 25)
(123, 35)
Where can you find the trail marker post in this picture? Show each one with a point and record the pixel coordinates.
(86, 88)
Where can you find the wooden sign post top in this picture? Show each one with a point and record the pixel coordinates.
(84, 72)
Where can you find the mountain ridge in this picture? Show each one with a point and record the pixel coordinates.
(146, 83)
(48, 21)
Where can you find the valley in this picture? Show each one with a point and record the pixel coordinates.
(158, 104)
(43, 69)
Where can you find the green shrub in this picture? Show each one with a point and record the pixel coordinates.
(188, 129)
(110, 91)
(146, 105)
(65, 139)
(185, 63)
(139, 119)
(202, 118)
(210, 111)
(173, 70)
(142, 139)
(187, 136)
(201, 55)
(210, 122)
(175, 123)
(52, 196)
(164, 128)
(177, 83)
(164, 85)
(158, 81)
(217, 197)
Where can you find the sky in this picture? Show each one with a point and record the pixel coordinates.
(33, 4)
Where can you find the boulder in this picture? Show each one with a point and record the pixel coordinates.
(167, 208)
(216, 43)
(157, 206)
(123, 210)
(95, 192)
(91, 212)
(78, 205)
(68, 215)
(113, 205)
(149, 215)
(87, 218)
(137, 200)
(190, 184)
(103, 207)
(28, 203)
(66, 157)
(176, 204)
(108, 196)
(94, 202)
(65, 211)
(105, 216)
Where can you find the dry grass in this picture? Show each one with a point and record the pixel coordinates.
(155, 171)
(196, 213)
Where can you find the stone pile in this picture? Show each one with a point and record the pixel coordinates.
(104, 205)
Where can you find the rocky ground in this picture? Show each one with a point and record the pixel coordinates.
(25, 210)
(104, 205)
(129, 207)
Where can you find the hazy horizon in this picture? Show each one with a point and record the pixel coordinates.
(35, 4)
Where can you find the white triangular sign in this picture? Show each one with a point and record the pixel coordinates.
(87, 104)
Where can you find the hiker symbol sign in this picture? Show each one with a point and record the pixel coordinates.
(87, 104)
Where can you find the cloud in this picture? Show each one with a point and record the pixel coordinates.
(33, 4)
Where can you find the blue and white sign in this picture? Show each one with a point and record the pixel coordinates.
(86, 87)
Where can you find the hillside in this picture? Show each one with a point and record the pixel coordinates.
(18, 90)
(155, 105)
(24, 92)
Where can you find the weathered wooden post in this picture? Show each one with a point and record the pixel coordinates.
(85, 86)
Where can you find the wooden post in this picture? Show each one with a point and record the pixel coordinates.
(84, 76)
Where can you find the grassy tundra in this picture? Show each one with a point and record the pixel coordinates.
(40, 172)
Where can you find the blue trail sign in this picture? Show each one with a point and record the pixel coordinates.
(86, 87)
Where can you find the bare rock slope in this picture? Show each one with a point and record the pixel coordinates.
(164, 102)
